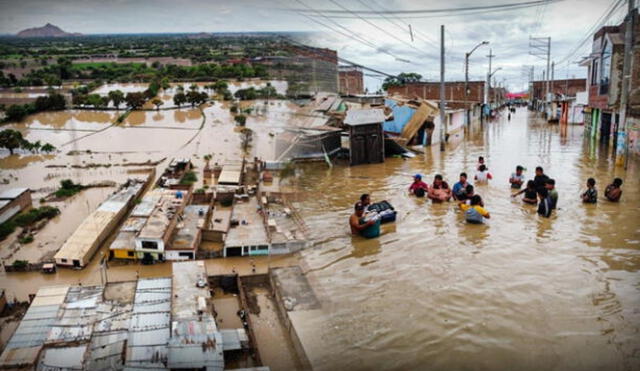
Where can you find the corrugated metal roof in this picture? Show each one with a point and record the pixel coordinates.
(364, 116)
(10, 194)
(149, 330)
(234, 339)
(68, 358)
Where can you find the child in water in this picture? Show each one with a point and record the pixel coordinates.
(474, 213)
(590, 196)
(530, 196)
(613, 190)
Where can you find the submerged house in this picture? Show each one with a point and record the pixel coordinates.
(80, 247)
(149, 230)
(417, 122)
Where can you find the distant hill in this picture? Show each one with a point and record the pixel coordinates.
(201, 35)
(47, 30)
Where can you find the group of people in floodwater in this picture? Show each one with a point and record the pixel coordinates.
(540, 191)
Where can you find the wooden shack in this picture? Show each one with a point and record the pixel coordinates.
(366, 140)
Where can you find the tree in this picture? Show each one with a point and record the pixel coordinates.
(400, 80)
(193, 87)
(135, 100)
(23, 63)
(157, 102)
(48, 148)
(16, 112)
(94, 100)
(179, 99)
(193, 97)
(241, 119)
(11, 139)
(220, 86)
(117, 97)
(165, 84)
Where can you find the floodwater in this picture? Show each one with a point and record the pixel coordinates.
(520, 292)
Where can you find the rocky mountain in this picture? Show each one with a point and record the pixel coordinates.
(47, 30)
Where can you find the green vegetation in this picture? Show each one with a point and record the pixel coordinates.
(260, 93)
(19, 264)
(240, 119)
(51, 102)
(25, 239)
(189, 178)
(35, 215)
(401, 79)
(68, 188)
(27, 219)
(12, 139)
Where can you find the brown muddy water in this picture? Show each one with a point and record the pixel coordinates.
(520, 292)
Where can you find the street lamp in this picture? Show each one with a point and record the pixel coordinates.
(466, 79)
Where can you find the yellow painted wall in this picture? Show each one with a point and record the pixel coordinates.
(123, 254)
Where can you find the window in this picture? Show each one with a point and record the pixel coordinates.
(64, 260)
(594, 72)
(152, 245)
(130, 254)
(605, 67)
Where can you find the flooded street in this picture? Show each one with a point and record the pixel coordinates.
(531, 293)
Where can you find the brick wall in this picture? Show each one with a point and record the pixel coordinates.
(351, 82)
(568, 87)
(454, 91)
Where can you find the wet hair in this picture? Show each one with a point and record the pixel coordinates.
(358, 206)
(543, 192)
(482, 168)
(519, 168)
(531, 184)
(364, 197)
(469, 188)
(476, 200)
(591, 182)
(463, 174)
(617, 182)
(438, 177)
(480, 159)
(540, 169)
(551, 181)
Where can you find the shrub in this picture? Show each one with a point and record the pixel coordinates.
(6, 229)
(34, 215)
(189, 178)
(25, 239)
(20, 263)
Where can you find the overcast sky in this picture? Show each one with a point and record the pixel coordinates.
(384, 43)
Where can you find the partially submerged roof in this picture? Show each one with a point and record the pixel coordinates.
(230, 174)
(364, 116)
(250, 231)
(190, 227)
(10, 194)
(92, 230)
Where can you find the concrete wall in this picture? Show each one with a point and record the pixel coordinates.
(15, 206)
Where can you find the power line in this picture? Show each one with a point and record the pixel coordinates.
(375, 26)
(599, 23)
(353, 35)
(434, 11)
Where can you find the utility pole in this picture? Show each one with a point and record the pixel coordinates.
(541, 48)
(466, 81)
(488, 82)
(443, 123)
(622, 146)
(553, 70)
